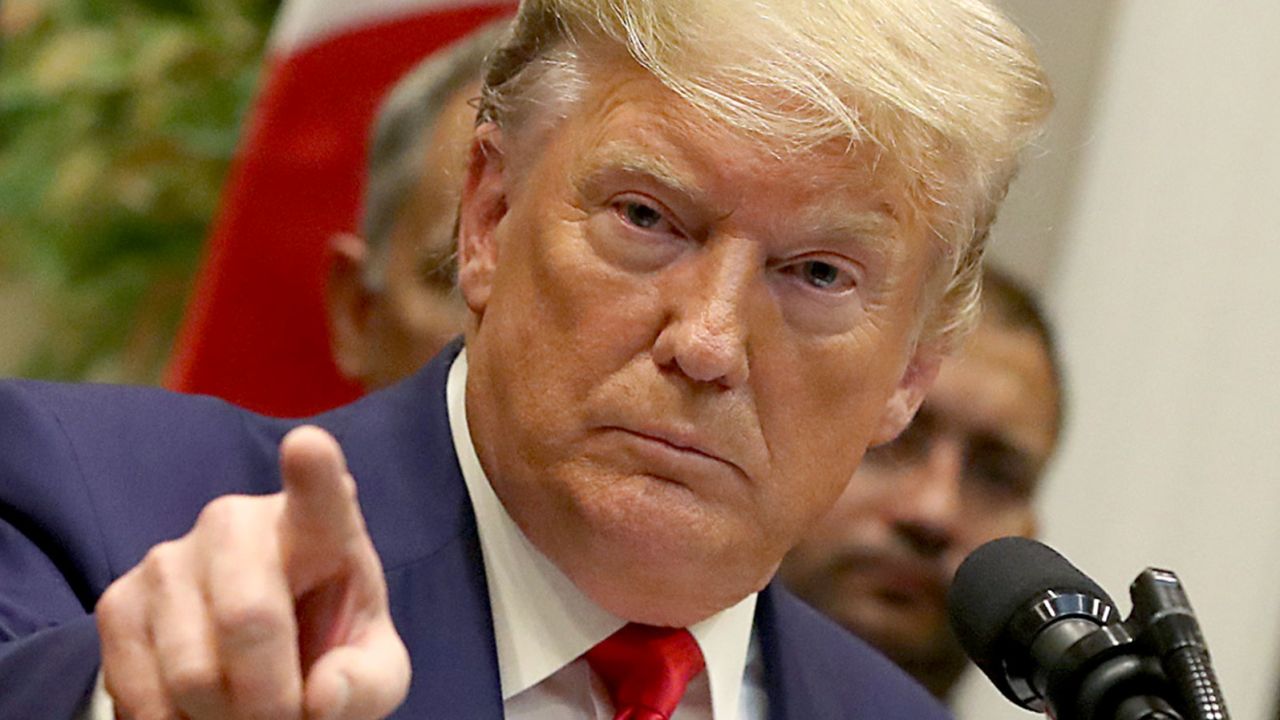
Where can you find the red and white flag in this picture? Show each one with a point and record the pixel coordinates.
(255, 330)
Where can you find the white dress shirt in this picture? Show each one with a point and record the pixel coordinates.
(543, 624)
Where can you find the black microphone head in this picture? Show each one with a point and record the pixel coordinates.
(996, 585)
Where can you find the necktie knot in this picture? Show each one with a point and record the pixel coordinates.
(646, 669)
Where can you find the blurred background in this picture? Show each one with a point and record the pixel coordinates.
(118, 121)
(1147, 218)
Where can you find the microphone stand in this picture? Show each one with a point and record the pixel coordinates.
(1107, 676)
(1153, 666)
(1170, 630)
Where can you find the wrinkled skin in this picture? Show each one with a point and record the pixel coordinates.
(681, 343)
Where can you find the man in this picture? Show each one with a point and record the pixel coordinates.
(964, 472)
(880, 561)
(709, 253)
(390, 294)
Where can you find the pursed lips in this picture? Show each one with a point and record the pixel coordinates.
(679, 442)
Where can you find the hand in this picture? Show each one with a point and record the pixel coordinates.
(270, 607)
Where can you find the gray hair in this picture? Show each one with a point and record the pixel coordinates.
(399, 143)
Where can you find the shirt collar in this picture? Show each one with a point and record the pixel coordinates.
(541, 620)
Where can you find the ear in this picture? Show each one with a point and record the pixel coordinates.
(482, 207)
(914, 384)
(347, 304)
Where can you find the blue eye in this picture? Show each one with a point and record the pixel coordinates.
(820, 274)
(832, 277)
(640, 215)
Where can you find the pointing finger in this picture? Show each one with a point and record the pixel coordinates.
(321, 519)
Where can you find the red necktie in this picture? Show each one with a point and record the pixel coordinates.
(646, 669)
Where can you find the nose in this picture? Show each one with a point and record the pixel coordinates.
(706, 336)
(927, 507)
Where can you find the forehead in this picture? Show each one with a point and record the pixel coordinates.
(1000, 383)
(629, 122)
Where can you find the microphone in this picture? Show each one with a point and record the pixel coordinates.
(1050, 639)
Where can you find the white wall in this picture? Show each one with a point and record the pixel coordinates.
(1166, 286)
(1070, 37)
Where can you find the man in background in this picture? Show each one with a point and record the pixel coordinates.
(964, 472)
(390, 294)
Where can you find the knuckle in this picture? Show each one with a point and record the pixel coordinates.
(164, 568)
(162, 562)
(250, 618)
(113, 602)
(191, 679)
(219, 512)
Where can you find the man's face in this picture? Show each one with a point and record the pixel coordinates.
(963, 473)
(683, 343)
(382, 337)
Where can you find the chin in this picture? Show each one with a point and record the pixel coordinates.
(654, 551)
(658, 580)
(670, 604)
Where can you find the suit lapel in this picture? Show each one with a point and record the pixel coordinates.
(401, 453)
(441, 608)
(791, 689)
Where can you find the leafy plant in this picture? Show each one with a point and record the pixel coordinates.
(118, 120)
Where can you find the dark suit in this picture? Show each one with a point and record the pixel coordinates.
(92, 476)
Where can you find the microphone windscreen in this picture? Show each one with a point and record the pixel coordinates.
(998, 580)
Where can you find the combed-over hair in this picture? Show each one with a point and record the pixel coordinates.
(948, 92)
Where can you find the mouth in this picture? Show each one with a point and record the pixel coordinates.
(896, 580)
(674, 452)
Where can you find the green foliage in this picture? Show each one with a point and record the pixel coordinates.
(118, 120)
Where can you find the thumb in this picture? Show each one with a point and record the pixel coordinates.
(366, 678)
(321, 524)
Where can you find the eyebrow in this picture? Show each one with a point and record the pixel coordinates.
(866, 224)
(873, 228)
(874, 232)
(627, 157)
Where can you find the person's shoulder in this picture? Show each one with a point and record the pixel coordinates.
(78, 457)
(127, 421)
(855, 678)
(103, 401)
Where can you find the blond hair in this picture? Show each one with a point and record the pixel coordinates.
(949, 91)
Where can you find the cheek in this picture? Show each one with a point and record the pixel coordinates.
(563, 316)
(607, 311)
(981, 527)
(818, 415)
(819, 412)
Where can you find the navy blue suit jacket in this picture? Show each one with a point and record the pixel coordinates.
(91, 477)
